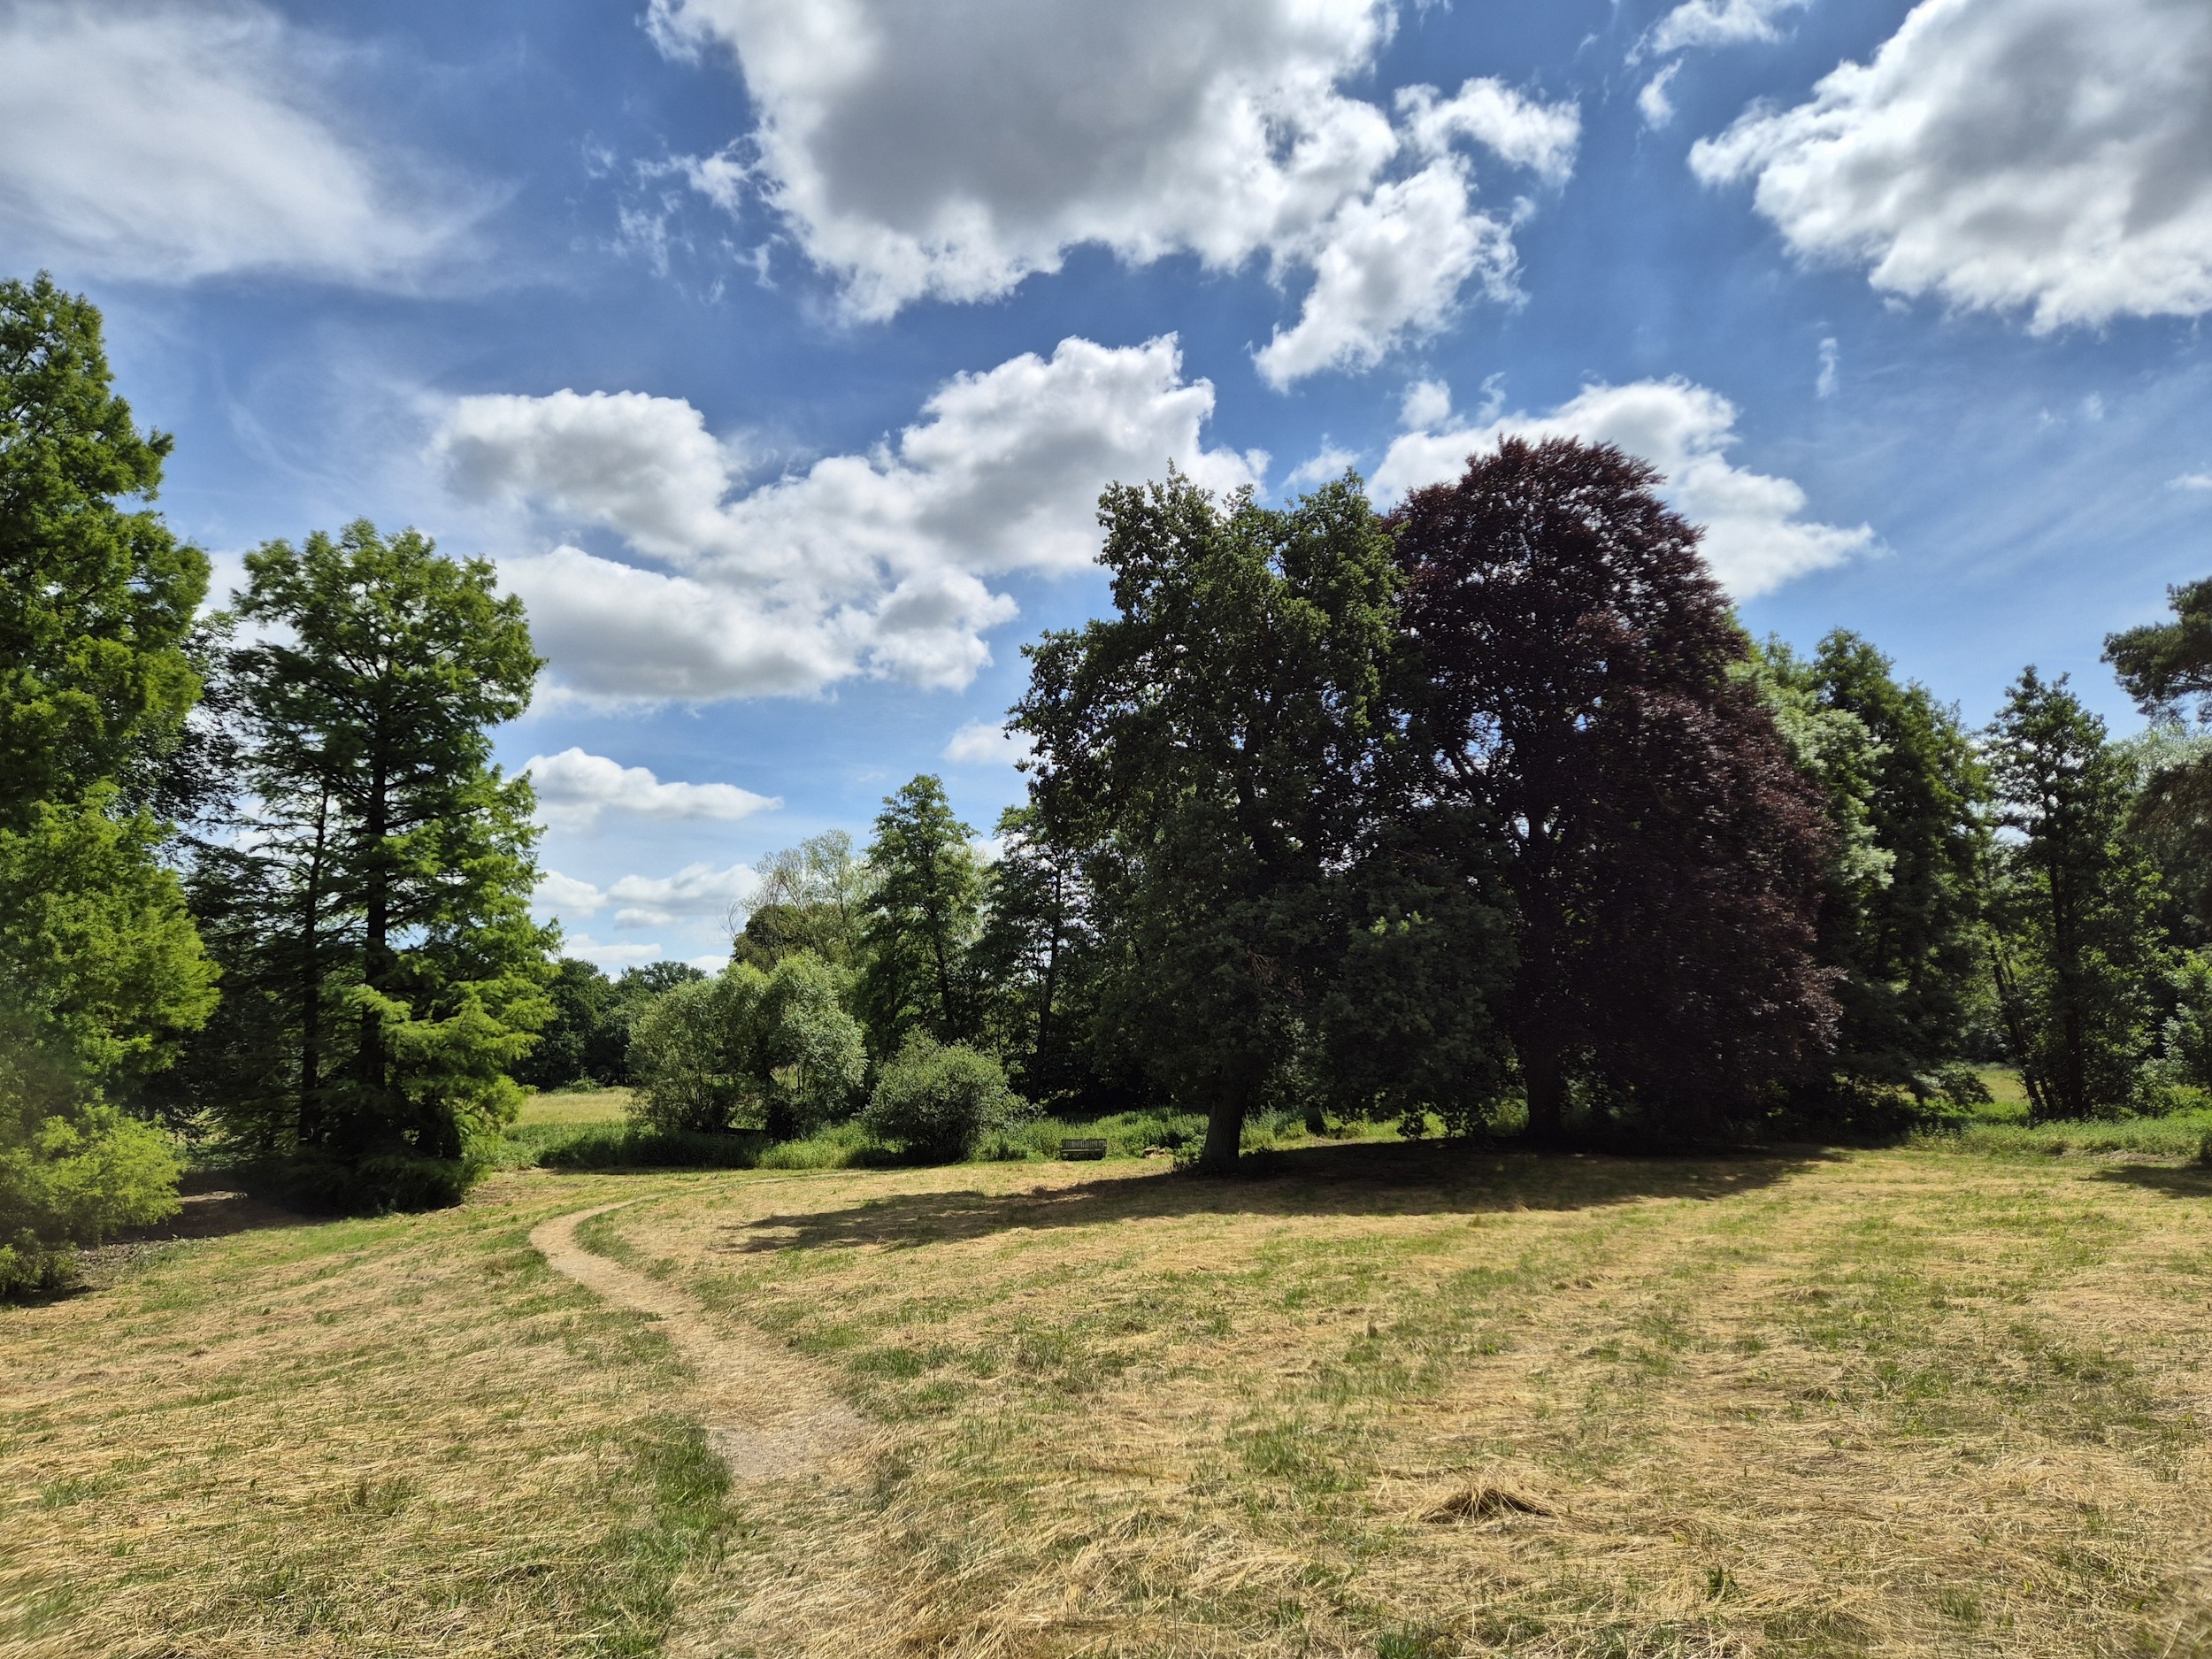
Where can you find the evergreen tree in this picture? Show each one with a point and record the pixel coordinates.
(379, 913)
(2077, 951)
(1905, 886)
(101, 971)
(925, 909)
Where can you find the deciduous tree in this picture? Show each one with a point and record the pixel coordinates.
(1207, 749)
(101, 971)
(1663, 852)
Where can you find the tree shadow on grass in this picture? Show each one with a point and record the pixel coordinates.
(2187, 1180)
(1389, 1179)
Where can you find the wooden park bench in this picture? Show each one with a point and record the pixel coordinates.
(1083, 1147)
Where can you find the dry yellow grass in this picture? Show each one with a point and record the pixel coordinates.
(1886, 1402)
(1384, 1400)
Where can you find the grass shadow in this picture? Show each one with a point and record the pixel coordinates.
(1376, 1179)
(2187, 1180)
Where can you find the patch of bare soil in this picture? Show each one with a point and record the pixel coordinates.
(767, 1414)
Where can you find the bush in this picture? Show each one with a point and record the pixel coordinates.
(937, 1102)
(75, 1179)
(381, 1183)
(604, 1147)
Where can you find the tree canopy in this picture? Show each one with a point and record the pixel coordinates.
(1665, 853)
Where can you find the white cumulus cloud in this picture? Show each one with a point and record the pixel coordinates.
(574, 788)
(1653, 103)
(950, 148)
(873, 564)
(1717, 23)
(166, 142)
(698, 892)
(1391, 263)
(981, 744)
(2192, 480)
(1756, 534)
(565, 894)
(2045, 157)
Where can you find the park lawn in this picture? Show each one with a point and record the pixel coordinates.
(1382, 1398)
(570, 1108)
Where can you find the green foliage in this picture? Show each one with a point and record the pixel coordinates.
(101, 970)
(937, 1101)
(1035, 964)
(96, 599)
(812, 897)
(588, 1039)
(2185, 1044)
(2076, 947)
(74, 1178)
(1905, 881)
(1205, 751)
(1408, 1023)
(375, 925)
(925, 909)
(773, 1051)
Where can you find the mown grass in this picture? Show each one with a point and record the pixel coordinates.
(1384, 1399)
(1412, 1399)
(400, 1436)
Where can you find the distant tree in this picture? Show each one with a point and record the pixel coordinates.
(2077, 952)
(382, 899)
(812, 897)
(1663, 852)
(1905, 886)
(1035, 960)
(924, 908)
(2167, 668)
(101, 971)
(773, 1051)
(1207, 749)
(582, 1000)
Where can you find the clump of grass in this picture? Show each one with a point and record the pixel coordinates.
(634, 1147)
(2178, 1135)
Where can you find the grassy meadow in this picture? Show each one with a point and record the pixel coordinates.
(1378, 1399)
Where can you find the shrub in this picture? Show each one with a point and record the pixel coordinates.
(67, 1180)
(681, 1055)
(937, 1102)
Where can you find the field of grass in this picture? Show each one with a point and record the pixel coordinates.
(1383, 1400)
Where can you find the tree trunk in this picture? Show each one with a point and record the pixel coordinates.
(309, 1126)
(1224, 1131)
(376, 925)
(1544, 1079)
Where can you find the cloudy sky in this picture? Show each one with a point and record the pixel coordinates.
(778, 349)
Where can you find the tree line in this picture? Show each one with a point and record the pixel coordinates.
(1482, 815)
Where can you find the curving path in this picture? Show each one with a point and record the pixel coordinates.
(766, 1411)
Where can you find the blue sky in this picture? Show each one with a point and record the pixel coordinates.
(777, 349)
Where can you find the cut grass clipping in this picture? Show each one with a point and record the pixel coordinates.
(1385, 1401)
